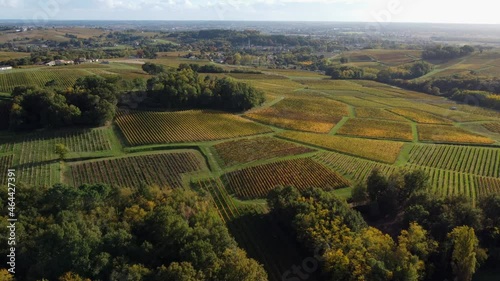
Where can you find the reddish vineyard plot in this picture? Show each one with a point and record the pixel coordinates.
(248, 150)
(163, 170)
(486, 186)
(492, 127)
(5, 164)
(140, 128)
(256, 182)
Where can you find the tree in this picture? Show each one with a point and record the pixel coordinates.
(183, 271)
(359, 193)
(238, 267)
(70, 276)
(61, 150)
(377, 184)
(414, 248)
(153, 69)
(414, 181)
(464, 260)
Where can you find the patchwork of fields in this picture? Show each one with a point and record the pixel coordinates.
(311, 132)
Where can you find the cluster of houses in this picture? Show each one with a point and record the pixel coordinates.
(69, 62)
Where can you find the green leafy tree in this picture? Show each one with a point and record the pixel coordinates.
(61, 150)
(153, 69)
(413, 250)
(359, 193)
(183, 271)
(464, 259)
(377, 185)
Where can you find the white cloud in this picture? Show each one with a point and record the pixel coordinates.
(10, 3)
(158, 4)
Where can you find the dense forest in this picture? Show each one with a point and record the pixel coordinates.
(436, 239)
(184, 88)
(90, 102)
(95, 232)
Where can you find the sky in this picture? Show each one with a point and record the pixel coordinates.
(430, 11)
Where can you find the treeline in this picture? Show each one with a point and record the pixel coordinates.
(94, 232)
(446, 52)
(467, 89)
(211, 68)
(407, 71)
(439, 239)
(90, 102)
(184, 88)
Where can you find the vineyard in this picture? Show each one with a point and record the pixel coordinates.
(420, 116)
(303, 114)
(43, 174)
(36, 160)
(256, 182)
(248, 150)
(450, 134)
(277, 85)
(449, 183)
(39, 147)
(5, 164)
(466, 159)
(487, 186)
(447, 113)
(141, 127)
(12, 55)
(382, 129)
(378, 113)
(328, 84)
(164, 170)
(352, 99)
(6, 146)
(64, 79)
(442, 182)
(388, 57)
(383, 151)
(492, 127)
(354, 168)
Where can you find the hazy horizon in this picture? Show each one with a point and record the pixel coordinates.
(397, 11)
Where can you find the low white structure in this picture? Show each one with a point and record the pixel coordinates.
(5, 67)
(64, 62)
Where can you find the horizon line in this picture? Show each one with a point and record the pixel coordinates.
(256, 21)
